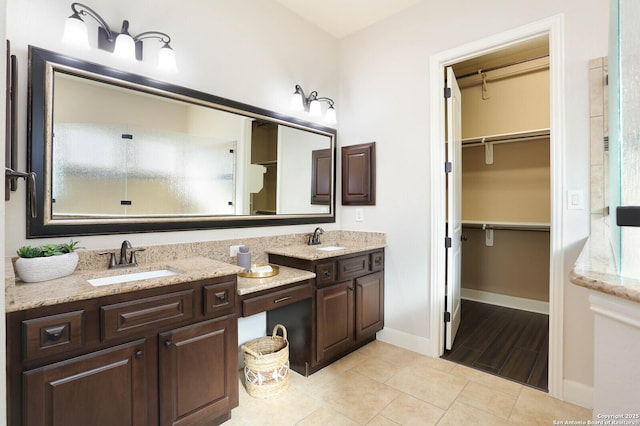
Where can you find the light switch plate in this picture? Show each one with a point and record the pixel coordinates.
(359, 215)
(575, 200)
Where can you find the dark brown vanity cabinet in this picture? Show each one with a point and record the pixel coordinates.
(163, 356)
(348, 308)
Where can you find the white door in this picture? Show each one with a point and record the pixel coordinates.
(454, 208)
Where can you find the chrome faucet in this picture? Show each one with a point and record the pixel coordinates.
(126, 245)
(314, 238)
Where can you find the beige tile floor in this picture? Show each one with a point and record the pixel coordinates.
(382, 384)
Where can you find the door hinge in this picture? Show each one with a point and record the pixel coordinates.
(447, 92)
(447, 242)
(448, 166)
(447, 317)
(127, 136)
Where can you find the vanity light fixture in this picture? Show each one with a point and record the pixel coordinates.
(311, 104)
(122, 44)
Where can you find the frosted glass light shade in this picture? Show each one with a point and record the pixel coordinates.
(167, 59)
(75, 32)
(330, 117)
(297, 103)
(315, 109)
(125, 47)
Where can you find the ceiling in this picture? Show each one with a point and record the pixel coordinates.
(341, 18)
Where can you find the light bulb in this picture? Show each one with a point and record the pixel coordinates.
(125, 47)
(297, 103)
(315, 109)
(167, 59)
(75, 32)
(330, 117)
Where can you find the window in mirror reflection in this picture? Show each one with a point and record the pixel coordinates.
(119, 152)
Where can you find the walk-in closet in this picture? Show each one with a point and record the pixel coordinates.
(505, 212)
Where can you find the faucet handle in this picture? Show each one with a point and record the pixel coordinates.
(132, 260)
(112, 258)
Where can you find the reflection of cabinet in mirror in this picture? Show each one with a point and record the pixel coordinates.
(321, 176)
(264, 151)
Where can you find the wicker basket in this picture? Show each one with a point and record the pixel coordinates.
(266, 361)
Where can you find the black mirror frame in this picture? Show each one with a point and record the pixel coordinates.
(40, 60)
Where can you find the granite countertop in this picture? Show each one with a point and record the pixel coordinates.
(308, 252)
(20, 296)
(285, 276)
(595, 268)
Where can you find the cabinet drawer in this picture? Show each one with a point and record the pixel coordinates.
(353, 267)
(377, 261)
(276, 299)
(219, 299)
(137, 316)
(326, 273)
(52, 334)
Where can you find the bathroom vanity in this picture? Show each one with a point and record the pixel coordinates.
(347, 307)
(159, 352)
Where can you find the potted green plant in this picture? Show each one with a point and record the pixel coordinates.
(47, 261)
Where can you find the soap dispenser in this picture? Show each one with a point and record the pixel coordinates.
(244, 258)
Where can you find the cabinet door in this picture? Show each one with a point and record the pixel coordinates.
(359, 174)
(334, 319)
(198, 372)
(108, 387)
(369, 304)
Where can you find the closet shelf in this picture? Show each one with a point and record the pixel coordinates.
(507, 137)
(515, 226)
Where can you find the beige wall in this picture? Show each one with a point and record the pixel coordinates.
(516, 265)
(514, 104)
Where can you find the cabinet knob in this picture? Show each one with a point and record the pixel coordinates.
(350, 288)
(327, 274)
(221, 296)
(139, 354)
(168, 343)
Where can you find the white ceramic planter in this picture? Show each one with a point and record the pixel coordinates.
(46, 268)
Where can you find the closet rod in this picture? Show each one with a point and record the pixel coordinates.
(507, 137)
(497, 67)
(508, 226)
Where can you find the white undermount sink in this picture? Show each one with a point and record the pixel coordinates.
(330, 248)
(135, 276)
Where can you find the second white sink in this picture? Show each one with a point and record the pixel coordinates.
(136, 276)
(331, 248)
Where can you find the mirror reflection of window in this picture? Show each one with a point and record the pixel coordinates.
(120, 152)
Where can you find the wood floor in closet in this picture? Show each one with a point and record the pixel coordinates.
(507, 342)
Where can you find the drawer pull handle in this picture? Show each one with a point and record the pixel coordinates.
(221, 296)
(350, 288)
(139, 354)
(327, 274)
(282, 299)
(55, 333)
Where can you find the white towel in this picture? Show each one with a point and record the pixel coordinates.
(260, 269)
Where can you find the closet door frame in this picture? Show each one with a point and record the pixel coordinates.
(552, 27)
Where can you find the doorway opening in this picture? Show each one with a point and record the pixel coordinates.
(504, 217)
(552, 29)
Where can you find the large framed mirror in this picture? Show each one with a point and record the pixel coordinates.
(116, 152)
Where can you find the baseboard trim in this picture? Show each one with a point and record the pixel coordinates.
(506, 301)
(422, 345)
(578, 393)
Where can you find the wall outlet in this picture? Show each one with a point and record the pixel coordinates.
(359, 215)
(233, 250)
